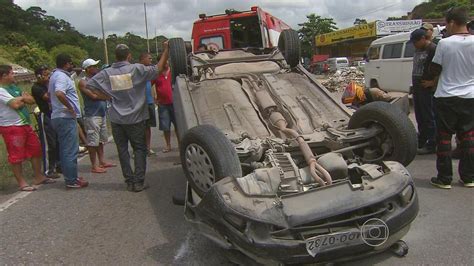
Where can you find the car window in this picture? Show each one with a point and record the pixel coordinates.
(342, 61)
(218, 40)
(374, 52)
(409, 49)
(392, 51)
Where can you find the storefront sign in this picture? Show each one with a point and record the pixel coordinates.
(352, 33)
(396, 26)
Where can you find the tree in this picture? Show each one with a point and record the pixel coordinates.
(32, 56)
(359, 21)
(77, 54)
(315, 25)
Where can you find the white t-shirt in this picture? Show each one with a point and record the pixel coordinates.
(8, 115)
(456, 55)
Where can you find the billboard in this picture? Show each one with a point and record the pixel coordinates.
(396, 26)
(357, 32)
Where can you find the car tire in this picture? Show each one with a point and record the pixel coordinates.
(289, 45)
(207, 156)
(395, 123)
(178, 57)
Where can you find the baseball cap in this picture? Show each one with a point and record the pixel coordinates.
(121, 46)
(427, 26)
(417, 34)
(89, 62)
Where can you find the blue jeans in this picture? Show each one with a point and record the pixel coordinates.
(66, 130)
(424, 114)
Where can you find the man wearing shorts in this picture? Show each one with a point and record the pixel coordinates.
(145, 59)
(164, 98)
(94, 120)
(20, 140)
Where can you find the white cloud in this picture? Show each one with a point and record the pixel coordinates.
(175, 18)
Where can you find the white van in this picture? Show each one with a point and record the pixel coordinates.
(390, 62)
(336, 63)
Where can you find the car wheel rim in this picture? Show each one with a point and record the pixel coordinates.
(199, 167)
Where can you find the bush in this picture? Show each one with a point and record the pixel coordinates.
(32, 56)
(78, 54)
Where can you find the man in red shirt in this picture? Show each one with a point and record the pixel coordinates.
(164, 99)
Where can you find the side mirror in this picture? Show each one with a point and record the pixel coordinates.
(366, 58)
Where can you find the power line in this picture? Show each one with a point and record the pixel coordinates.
(370, 12)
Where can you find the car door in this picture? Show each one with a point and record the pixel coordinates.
(372, 67)
(391, 67)
(407, 66)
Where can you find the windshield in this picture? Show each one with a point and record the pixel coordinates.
(245, 32)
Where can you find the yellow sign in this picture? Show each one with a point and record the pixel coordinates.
(352, 33)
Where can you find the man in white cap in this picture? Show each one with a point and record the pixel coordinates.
(94, 119)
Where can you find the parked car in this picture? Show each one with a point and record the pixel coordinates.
(337, 63)
(320, 68)
(275, 166)
(390, 62)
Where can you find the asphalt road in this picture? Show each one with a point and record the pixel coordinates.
(104, 224)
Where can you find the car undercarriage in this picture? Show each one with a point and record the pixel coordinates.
(275, 165)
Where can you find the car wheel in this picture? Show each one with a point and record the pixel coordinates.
(207, 156)
(397, 142)
(178, 57)
(289, 45)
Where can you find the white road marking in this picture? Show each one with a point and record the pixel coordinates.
(183, 249)
(23, 194)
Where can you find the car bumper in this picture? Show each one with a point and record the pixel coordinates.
(264, 238)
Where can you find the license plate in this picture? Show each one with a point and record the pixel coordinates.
(317, 244)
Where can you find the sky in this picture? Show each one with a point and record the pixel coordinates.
(174, 18)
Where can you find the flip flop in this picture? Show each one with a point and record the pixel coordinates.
(165, 150)
(102, 171)
(45, 181)
(107, 165)
(27, 188)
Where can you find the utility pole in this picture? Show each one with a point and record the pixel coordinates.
(156, 43)
(146, 29)
(103, 34)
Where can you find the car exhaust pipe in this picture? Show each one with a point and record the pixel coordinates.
(279, 122)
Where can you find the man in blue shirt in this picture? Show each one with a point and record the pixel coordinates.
(146, 59)
(94, 119)
(65, 111)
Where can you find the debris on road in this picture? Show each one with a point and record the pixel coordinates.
(341, 78)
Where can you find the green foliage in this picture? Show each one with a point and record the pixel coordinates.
(359, 21)
(436, 8)
(315, 25)
(32, 56)
(19, 28)
(78, 54)
(15, 39)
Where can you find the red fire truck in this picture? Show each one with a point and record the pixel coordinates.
(238, 29)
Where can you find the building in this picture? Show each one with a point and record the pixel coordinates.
(353, 42)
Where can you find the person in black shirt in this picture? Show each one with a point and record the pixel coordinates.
(48, 137)
(423, 91)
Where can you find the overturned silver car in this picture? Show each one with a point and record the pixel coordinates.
(280, 171)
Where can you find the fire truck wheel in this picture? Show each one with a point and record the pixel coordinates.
(178, 58)
(289, 45)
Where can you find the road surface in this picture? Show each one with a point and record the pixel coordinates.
(104, 224)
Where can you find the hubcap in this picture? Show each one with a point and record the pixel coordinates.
(199, 167)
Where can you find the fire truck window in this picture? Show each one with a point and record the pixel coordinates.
(246, 32)
(217, 40)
